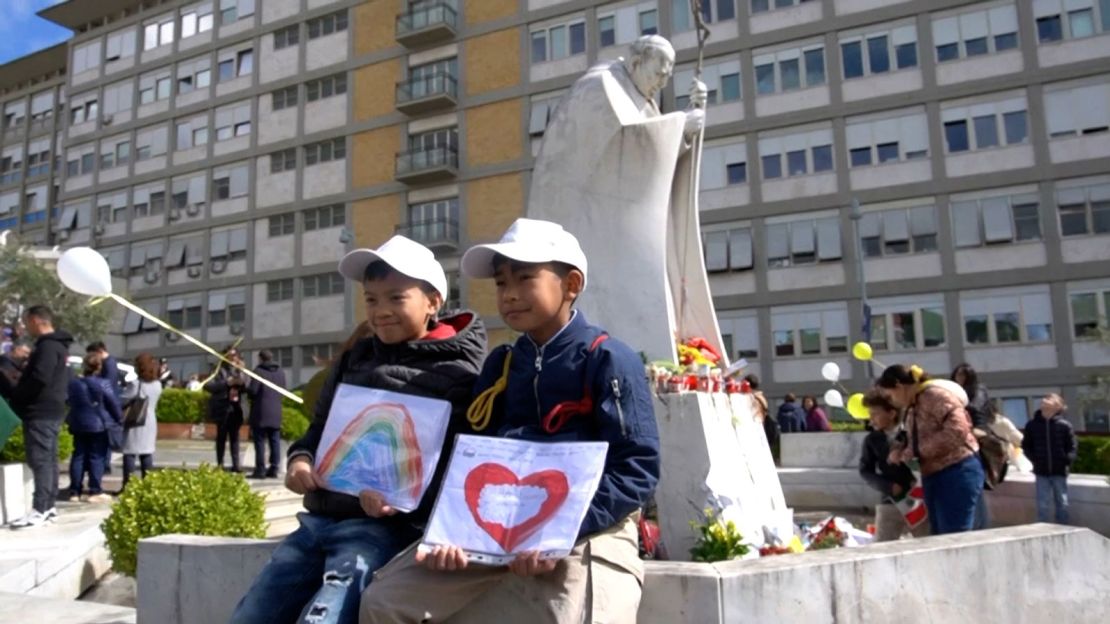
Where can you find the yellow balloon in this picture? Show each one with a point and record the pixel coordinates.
(861, 351)
(856, 408)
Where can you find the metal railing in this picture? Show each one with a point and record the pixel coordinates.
(417, 160)
(439, 83)
(431, 232)
(426, 17)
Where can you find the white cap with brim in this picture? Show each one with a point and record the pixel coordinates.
(403, 255)
(527, 240)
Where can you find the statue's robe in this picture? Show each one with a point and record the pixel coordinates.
(618, 175)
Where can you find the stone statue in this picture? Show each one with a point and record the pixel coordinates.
(622, 177)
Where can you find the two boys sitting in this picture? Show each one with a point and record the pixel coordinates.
(563, 380)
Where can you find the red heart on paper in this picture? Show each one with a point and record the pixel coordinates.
(553, 482)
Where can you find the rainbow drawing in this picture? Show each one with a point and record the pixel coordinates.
(377, 450)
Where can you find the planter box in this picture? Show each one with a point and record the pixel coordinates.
(189, 431)
(16, 486)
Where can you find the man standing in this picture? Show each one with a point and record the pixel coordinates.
(39, 400)
(11, 368)
(265, 418)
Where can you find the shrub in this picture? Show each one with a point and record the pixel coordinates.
(841, 426)
(1093, 455)
(303, 408)
(717, 540)
(205, 501)
(12, 453)
(294, 423)
(182, 406)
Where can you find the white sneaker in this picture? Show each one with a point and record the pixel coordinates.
(34, 519)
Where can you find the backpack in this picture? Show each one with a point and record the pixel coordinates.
(481, 410)
(994, 454)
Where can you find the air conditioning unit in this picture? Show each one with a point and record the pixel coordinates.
(175, 214)
(98, 229)
(107, 120)
(172, 336)
(194, 209)
(193, 271)
(152, 277)
(218, 266)
(62, 235)
(236, 329)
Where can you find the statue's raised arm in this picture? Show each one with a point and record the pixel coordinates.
(622, 177)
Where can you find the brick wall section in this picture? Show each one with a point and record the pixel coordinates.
(492, 61)
(373, 156)
(375, 219)
(477, 12)
(374, 94)
(493, 133)
(374, 25)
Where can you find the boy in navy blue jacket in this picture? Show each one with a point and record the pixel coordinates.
(567, 381)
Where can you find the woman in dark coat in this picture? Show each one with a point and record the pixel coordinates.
(225, 407)
(265, 418)
(93, 411)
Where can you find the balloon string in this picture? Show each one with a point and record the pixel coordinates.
(147, 315)
(220, 365)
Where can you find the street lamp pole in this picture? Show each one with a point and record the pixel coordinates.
(856, 216)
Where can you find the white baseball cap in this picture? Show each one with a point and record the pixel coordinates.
(403, 255)
(527, 240)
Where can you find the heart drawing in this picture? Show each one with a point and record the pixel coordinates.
(553, 484)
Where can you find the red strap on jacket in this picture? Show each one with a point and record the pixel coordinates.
(561, 413)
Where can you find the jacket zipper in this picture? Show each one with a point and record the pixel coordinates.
(1048, 442)
(536, 379)
(620, 411)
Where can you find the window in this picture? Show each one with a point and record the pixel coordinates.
(230, 182)
(245, 61)
(1074, 19)
(728, 250)
(721, 78)
(288, 36)
(118, 45)
(284, 98)
(325, 217)
(1004, 317)
(879, 52)
(557, 42)
(193, 75)
(327, 25)
(1089, 309)
(785, 70)
(809, 330)
(235, 63)
(84, 108)
(326, 87)
(325, 151)
(192, 133)
(234, 10)
(233, 120)
(285, 160)
(1084, 210)
(86, 57)
(762, 6)
(803, 242)
(279, 290)
(976, 127)
(196, 20)
(1068, 112)
(805, 153)
(887, 139)
(737, 173)
(282, 225)
(322, 285)
(151, 142)
(185, 313)
(909, 326)
(154, 86)
(159, 33)
(317, 354)
(995, 220)
(975, 33)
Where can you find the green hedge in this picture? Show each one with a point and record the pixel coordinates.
(182, 406)
(294, 423)
(1093, 455)
(12, 453)
(855, 425)
(205, 501)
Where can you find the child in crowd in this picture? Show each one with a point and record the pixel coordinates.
(566, 380)
(1051, 445)
(891, 480)
(319, 571)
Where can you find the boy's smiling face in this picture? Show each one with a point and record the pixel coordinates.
(534, 299)
(397, 307)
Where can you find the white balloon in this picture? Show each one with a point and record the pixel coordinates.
(84, 270)
(830, 371)
(833, 398)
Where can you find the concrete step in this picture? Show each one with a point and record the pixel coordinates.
(22, 608)
(58, 560)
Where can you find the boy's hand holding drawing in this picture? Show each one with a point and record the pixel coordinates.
(301, 478)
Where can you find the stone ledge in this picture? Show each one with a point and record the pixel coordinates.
(20, 608)
(831, 449)
(906, 581)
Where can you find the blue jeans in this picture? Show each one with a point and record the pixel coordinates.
(89, 452)
(317, 574)
(952, 496)
(1055, 488)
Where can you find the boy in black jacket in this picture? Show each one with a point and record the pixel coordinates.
(891, 480)
(1050, 444)
(319, 571)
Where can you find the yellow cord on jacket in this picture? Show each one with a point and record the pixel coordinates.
(481, 410)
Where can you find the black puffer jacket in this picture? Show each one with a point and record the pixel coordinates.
(437, 368)
(1050, 444)
(43, 386)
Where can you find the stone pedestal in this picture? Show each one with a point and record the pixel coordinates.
(16, 486)
(715, 455)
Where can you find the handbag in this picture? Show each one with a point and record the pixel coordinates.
(134, 413)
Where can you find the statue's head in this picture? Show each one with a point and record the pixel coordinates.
(651, 64)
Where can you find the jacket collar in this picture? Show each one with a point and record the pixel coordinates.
(568, 334)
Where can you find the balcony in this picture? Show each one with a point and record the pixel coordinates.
(434, 234)
(427, 165)
(425, 25)
(427, 93)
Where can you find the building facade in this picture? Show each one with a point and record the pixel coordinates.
(224, 154)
